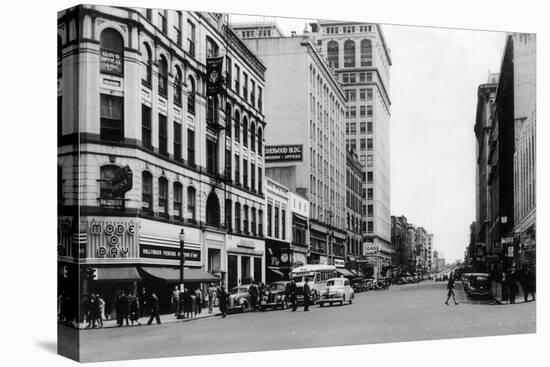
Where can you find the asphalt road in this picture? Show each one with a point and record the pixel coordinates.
(402, 313)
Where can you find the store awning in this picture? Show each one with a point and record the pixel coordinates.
(173, 274)
(128, 273)
(345, 272)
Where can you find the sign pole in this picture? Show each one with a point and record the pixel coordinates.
(182, 263)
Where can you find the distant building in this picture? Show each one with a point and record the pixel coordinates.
(354, 214)
(278, 236)
(257, 30)
(305, 146)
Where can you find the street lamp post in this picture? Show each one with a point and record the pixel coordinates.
(182, 263)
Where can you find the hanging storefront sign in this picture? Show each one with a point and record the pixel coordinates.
(278, 253)
(283, 153)
(168, 253)
(122, 182)
(214, 78)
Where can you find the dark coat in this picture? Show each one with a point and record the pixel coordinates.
(154, 303)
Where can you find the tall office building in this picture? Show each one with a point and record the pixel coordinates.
(305, 140)
(360, 57)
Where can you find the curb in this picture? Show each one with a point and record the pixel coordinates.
(170, 321)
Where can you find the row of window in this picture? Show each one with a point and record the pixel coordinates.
(365, 94)
(365, 54)
(364, 127)
(348, 29)
(350, 78)
(245, 167)
(276, 219)
(247, 220)
(364, 111)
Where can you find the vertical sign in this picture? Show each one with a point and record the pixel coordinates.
(214, 80)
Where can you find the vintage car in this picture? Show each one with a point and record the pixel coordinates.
(359, 285)
(239, 298)
(477, 284)
(338, 290)
(275, 296)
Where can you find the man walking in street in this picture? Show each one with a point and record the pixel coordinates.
(119, 307)
(154, 309)
(253, 290)
(450, 287)
(292, 294)
(222, 297)
(307, 294)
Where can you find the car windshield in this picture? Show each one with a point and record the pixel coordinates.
(303, 279)
(278, 286)
(331, 283)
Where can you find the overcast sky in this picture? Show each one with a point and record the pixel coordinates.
(433, 90)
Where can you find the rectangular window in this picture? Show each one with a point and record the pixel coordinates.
(362, 94)
(369, 111)
(191, 38)
(370, 160)
(370, 210)
(369, 143)
(362, 111)
(370, 227)
(177, 29)
(283, 224)
(369, 94)
(163, 135)
(369, 77)
(191, 147)
(237, 79)
(362, 77)
(269, 221)
(253, 177)
(260, 102)
(245, 223)
(238, 218)
(227, 172)
(146, 126)
(276, 222)
(163, 197)
(369, 127)
(370, 193)
(260, 180)
(253, 93)
(253, 224)
(352, 128)
(353, 111)
(352, 95)
(245, 86)
(363, 144)
(178, 201)
(228, 72)
(162, 21)
(363, 126)
(177, 141)
(112, 118)
(245, 173)
(237, 169)
(369, 176)
(352, 78)
(345, 78)
(211, 156)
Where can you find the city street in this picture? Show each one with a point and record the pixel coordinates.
(402, 313)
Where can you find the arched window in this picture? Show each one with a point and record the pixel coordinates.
(228, 209)
(366, 52)
(177, 87)
(349, 54)
(178, 200)
(191, 96)
(260, 223)
(260, 141)
(237, 125)
(163, 196)
(213, 210)
(163, 76)
(238, 217)
(245, 222)
(191, 203)
(228, 126)
(252, 136)
(59, 56)
(147, 192)
(253, 224)
(111, 49)
(212, 109)
(332, 53)
(245, 131)
(147, 65)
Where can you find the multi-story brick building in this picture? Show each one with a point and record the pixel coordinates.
(360, 57)
(354, 211)
(147, 150)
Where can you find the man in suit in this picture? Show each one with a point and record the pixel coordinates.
(292, 294)
(222, 297)
(307, 295)
(154, 309)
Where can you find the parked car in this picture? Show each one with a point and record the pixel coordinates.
(477, 284)
(369, 284)
(275, 296)
(359, 285)
(337, 290)
(239, 298)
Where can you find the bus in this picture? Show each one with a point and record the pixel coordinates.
(317, 274)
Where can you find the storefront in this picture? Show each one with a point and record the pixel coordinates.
(245, 260)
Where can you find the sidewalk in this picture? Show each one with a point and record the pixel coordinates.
(502, 299)
(164, 319)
